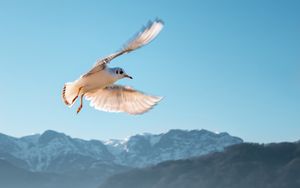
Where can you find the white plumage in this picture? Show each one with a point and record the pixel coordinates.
(117, 98)
(98, 86)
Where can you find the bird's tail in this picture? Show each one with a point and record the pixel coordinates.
(70, 93)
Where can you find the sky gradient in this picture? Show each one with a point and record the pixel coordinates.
(225, 66)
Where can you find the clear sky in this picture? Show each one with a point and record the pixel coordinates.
(229, 66)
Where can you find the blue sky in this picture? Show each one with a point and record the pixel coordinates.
(229, 66)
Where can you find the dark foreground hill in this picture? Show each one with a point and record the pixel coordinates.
(14, 177)
(239, 166)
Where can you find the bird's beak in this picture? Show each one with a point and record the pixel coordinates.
(127, 76)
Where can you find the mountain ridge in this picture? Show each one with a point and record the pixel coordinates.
(42, 151)
(172, 145)
(54, 154)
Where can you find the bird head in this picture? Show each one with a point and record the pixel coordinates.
(120, 73)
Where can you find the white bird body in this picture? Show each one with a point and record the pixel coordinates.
(98, 80)
(91, 83)
(97, 85)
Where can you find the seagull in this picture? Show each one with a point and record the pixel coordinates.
(98, 85)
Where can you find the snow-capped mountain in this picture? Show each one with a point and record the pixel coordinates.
(53, 151)
(57, 152)
(148, 149)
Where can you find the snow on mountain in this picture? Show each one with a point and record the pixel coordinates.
(51, 151)
(116, 146)
(56, 152)
(148, 149)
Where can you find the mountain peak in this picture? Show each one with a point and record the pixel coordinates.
(195, 133)
(49, 135)
(52, 132)
(148, 149)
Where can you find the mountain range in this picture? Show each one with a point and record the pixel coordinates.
(53, 159)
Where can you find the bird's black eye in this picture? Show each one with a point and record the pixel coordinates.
(117, 71)
(121, 72)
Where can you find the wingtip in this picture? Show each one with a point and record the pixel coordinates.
(158, 20)
(64, 96)
(159, 98)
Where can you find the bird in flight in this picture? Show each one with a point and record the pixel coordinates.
(97, 85)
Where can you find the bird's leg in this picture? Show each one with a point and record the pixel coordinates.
(77, 95)
(80, 107)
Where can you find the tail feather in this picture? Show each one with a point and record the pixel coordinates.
(69, 93)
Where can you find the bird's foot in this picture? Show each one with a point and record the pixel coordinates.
(79, 109)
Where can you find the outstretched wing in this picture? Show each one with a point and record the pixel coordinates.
(146, 35)
(117, 98)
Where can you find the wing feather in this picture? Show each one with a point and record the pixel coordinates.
(145, 36)
(117, 98)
